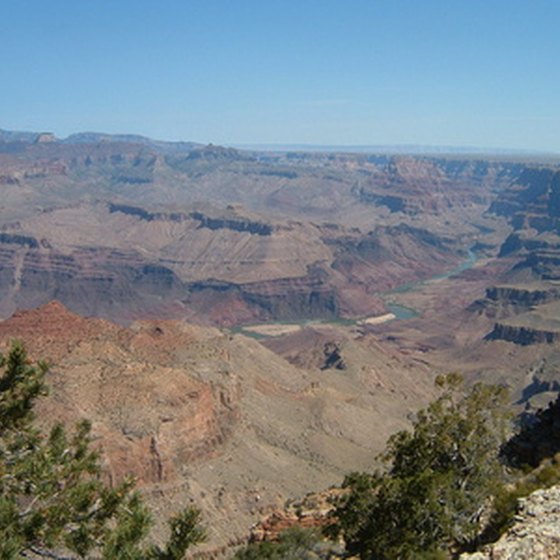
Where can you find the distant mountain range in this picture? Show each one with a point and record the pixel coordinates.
(399, 149)
(95, 138)
(178, 147)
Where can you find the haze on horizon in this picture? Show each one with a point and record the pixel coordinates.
(390, 72)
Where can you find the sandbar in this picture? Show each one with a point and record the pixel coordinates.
(378, 319)
(273, 330)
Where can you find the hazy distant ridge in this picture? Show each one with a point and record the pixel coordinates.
(97, 137)
(390, 149)
(182, 146)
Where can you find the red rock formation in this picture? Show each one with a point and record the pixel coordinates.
(149, 415)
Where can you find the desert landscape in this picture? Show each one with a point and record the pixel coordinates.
(279, 280)
(246, 327)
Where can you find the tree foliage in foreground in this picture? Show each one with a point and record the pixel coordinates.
(52, 500)
(440, 477)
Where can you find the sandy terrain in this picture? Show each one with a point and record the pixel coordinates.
(273, 330)
(378, 319)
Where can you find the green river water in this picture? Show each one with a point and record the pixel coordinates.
(399, 311)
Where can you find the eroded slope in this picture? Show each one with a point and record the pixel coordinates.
(200, 415)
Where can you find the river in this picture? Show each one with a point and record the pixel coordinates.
(399, 311)
(403, 312)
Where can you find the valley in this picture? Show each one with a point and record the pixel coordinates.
(234, 237)
(394, 310)
(245, 327)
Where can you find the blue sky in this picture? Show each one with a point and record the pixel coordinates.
(454, 72)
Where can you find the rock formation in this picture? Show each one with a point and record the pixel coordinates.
(535, 534)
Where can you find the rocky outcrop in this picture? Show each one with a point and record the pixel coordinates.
(523, 296)
(311, 512)
(204, 221)
(523, 335)
(22, 240)
(333, 357)
(506, 300)
(535, 534)
(255, 228)
(146, 215)
(44, 137)
(213, 152)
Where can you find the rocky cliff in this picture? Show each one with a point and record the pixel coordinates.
(505, 300)
(523, 335)
(535, 534)
(524, 305)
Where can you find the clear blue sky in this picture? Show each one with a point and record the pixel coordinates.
(449, 72)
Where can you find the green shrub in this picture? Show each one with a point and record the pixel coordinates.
(438, 482)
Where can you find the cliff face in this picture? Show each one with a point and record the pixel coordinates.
(522, 304)
(522, 335)
(539, 324)
(532, 204)
(505, 300)
(535, 533)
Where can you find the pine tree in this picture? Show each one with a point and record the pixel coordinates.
(53, 502)
(440, 477)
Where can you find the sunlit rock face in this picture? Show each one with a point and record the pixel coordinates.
(534, 534)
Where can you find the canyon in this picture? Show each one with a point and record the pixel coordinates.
(222, 316)
(127, 230)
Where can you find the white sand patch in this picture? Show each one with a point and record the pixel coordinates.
(273, 330)
(378, 319)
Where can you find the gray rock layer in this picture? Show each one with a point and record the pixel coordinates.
(535, 534)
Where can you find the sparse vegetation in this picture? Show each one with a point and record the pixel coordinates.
(53, 502)
(447, 488)
(293, 544)
(442, 473)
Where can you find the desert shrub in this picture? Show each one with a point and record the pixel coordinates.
(439, 479)
(295, 543)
